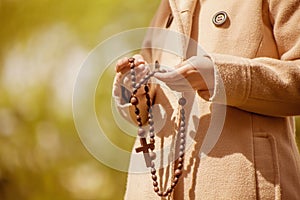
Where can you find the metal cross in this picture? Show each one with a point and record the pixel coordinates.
(145, 149)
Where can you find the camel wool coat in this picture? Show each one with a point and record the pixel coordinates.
(251, 152)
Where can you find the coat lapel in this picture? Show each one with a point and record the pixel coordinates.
(183, 13)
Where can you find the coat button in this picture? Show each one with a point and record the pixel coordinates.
(219, 18)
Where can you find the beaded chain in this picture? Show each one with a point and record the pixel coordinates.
(150, 156)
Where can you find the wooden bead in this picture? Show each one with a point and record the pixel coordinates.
(179, 166)
(152, 155)
(156, 189)
(137, 111)
(169, 190)
(155, 183)
(182, 141)
(138, 118)
(134, 101)
(137, 86)
(146, 88)
(159, 193)
(150, 121)
(175, 180)
(141, 132)
(181, 153)
(182, 101)
(178, 172)
(180, 160)
(182, 111)
(181, 147)
(182, 124)
(154, 177)
(131, 60)
(152, 140)
(165, 194)
(152, 135)
(153, 171)
(182, 130)
(151, 128)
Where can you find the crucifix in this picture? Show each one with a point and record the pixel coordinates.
(145, 149)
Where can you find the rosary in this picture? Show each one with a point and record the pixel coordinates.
(150, 156)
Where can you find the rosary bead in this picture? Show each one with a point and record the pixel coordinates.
(152, 163)
(179, 166)
(182, 124)
(156, 189)
(148, 103)
(182, 134)
(138, 85)
(154, 177)
(137, 111)
(150, 121)
(175, 180)
(155, 183)
(182, 101)
(182, 130)
(132, 71)
(146, 88)
(182, 111)
(165, 194)
(150, 115)
(173, 185)
(133, 79)
(169, 190)
(138, 118)
(134, 91)
(152, 155)
(134, 101)
(180, 160)
(142, 80)
(159, 193)
(141, 132)
(182, 117)
(152, 135)
(131, 60)
(182, 141)
(153, 171)
(140, 124)
(152, 140)
(151, 129)
(181, 153)
(181, 147)
(178, 172)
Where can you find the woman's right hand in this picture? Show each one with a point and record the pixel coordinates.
(123, 78)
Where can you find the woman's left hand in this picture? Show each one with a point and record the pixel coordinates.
(196, 73)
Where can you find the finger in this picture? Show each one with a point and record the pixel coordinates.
(181, 87)
(138, 59)
(174, 75)
(122, 65)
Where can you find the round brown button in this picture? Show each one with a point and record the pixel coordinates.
(219, 18)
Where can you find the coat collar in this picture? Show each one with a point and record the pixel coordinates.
(183, 11)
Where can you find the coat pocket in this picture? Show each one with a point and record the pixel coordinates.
(266, 167)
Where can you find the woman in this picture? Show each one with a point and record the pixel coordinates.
(253, 59)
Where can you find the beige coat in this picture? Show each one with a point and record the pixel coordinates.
(256, 55)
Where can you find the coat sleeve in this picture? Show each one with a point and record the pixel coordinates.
(265, 85)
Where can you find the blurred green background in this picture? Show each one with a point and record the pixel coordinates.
(42, 45)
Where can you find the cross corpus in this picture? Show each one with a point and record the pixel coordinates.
(145, 149)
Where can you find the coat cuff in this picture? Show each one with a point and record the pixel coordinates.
(232, 79)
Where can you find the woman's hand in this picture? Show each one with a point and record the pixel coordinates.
(123, 68)
(196, 73)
